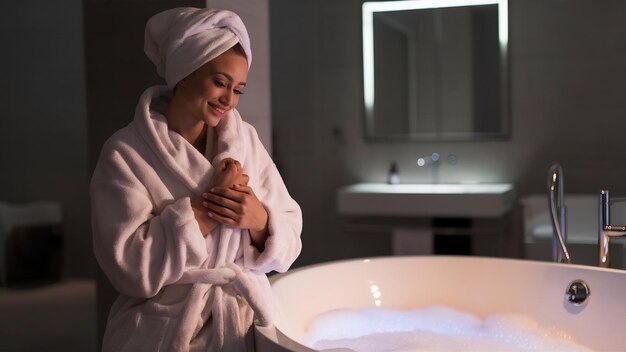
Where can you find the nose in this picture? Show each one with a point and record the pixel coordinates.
(226, 98)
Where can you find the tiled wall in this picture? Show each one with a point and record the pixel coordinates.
(567, 72)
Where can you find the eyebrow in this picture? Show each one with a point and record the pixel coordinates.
(230, 77)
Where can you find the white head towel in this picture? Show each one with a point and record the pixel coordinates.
(180, 40)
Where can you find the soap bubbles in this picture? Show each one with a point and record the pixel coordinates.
(433, 328)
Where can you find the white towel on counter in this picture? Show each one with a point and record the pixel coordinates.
(181, 291)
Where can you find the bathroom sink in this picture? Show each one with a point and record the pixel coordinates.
(428, 200)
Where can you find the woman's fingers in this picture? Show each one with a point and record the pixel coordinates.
(217, 193)
(227, 173)
(225, 203)
(223, 219)
(237, 206)
(228, 163)
(232, 163)
(243, 188)
(214, 203)
(222, 211)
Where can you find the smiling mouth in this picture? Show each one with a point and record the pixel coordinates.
(218, 111)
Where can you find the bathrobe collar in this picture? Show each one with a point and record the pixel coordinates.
(179, 156)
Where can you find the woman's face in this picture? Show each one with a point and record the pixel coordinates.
(215, 88)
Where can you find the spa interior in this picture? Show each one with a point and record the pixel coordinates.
(373, 178)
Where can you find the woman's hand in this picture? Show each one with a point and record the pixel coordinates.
(238, 206)
(227, 174)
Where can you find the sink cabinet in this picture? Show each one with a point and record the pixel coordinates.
(432, 218)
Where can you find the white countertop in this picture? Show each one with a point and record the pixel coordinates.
(427, 200)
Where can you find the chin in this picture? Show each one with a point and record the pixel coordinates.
(213, 121)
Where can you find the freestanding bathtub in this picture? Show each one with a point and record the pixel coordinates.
(477, 285)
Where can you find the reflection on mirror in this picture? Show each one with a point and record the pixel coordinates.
(435, 70)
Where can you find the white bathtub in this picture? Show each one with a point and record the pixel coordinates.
(482, 286)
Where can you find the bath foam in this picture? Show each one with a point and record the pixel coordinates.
(433, 328)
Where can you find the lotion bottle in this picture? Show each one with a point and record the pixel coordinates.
(393, 177)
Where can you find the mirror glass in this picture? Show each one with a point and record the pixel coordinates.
(435, 70)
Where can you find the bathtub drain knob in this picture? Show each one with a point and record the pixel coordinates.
(577, 292)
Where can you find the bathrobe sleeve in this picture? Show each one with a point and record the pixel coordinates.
(139, 247)
(285, 216)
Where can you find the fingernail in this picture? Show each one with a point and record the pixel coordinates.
(206, 204)
(205, 195)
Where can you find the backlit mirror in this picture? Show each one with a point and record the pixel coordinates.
(435, 70)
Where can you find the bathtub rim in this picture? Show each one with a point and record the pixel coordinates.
(281, 342)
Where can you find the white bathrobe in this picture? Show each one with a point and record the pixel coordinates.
(178, 290)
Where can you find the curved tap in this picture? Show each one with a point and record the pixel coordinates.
(557, 211)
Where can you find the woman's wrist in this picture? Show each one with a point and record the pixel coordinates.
(258, 237)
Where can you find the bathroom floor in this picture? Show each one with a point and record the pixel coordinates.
(59, 316)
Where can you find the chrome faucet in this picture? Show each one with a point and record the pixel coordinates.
(605, 229)
(434, 160)
(557, 211)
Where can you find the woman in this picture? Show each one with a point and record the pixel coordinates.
(189, 212)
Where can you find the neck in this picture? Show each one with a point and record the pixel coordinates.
(200, 141)
(180, 121)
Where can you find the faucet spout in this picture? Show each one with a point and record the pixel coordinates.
(557, 212)
(605, 229)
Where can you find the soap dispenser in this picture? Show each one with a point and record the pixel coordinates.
(393, 177)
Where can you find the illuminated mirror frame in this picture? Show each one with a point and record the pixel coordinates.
(369, 8)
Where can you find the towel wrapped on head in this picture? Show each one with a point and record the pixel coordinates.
(180, 40)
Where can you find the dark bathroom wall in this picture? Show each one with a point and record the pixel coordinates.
(43, 142)
(567, 76)
(117, 70)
